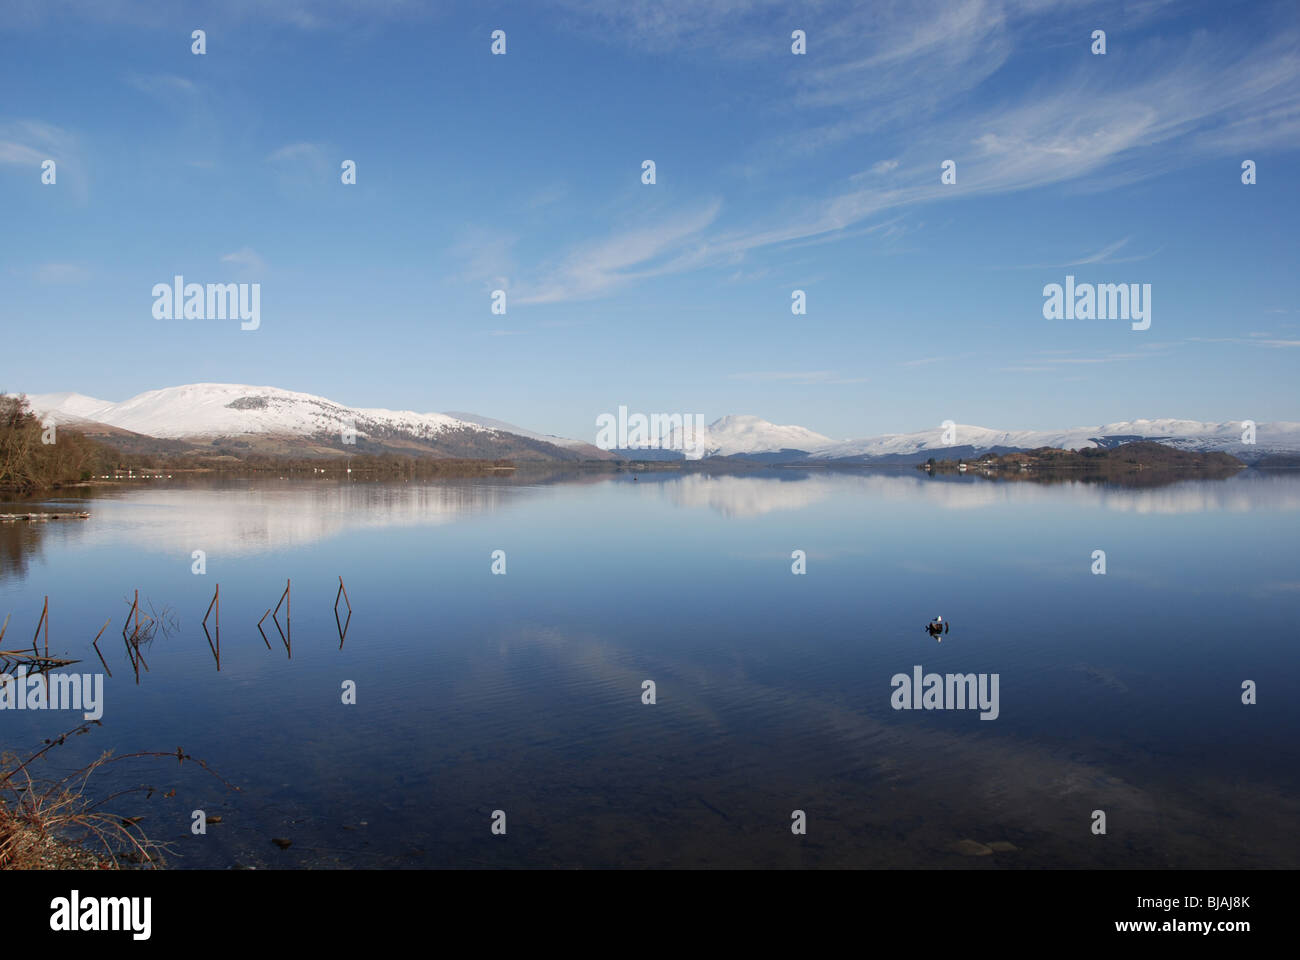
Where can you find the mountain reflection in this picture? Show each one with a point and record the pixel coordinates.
(245, 518)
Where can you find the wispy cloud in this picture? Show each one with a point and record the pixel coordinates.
(1251, 340)
(1053, 361)
(483, 256)
(301, 164)
(798, 377)
(663, 26)
(1103, 256)
(162, 86)
(247, 258)
(304, 14)
(595, 269)
(60, 274)
(27, 143)
(914, 86)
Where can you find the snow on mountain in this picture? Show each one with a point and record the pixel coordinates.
(228, 409)
(67, 407)
(518, 431)
(748, 435)
(223, 409)
(740, 434)
(1277, 437)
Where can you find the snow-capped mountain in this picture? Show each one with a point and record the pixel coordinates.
(230, 409)
(519, 431)
(1227, 437)
(253, 415)
(754, 437)
(741, 434)
(202, 411)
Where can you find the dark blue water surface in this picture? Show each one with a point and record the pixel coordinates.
(523, 693)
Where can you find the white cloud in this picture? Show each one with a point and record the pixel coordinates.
(29, 142)
(597, 268)
(247, 258)
(301, 164)
(483, 256)
(60, 274)
(798, 377)
(161, 85)
(1179, 99)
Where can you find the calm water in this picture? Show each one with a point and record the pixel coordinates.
(522, 692)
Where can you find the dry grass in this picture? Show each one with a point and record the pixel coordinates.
(54, 822)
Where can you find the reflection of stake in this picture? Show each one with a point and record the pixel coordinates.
(133, 642)
(285, 640)
(263, 632)
(216, 652)
(5, 627)
(95, 643)
(216, 602)
(343, 627)
(135, 664)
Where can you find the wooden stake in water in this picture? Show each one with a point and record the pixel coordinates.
(43, 622)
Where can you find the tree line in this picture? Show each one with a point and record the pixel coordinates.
(34, 457)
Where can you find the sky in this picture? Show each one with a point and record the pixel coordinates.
(774, 172)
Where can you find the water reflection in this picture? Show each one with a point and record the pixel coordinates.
(522, 691)
(250, 518)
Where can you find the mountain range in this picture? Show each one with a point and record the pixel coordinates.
(244, 419)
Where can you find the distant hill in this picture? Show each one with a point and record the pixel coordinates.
(1105, 461)
(279, 422)
(239, 420)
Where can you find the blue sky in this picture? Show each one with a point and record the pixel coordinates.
(774, 172)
